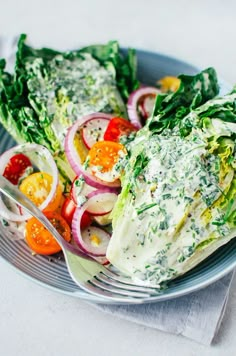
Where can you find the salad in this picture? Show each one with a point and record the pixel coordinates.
(140, 177)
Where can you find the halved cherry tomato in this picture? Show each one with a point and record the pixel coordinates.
(67, 212)
(37, 186)
(118, 127)
(105, 154)
(16, 167)
(86, 220)
(40, 240)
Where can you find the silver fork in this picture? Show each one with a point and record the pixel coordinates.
(84, 270)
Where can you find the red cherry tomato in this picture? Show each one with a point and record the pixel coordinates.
(16, 167)
(85, 221)
(118, 127)
(67, 212)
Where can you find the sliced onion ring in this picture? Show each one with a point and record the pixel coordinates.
(74, 158)
(92, 126)
(104, 201)
(92, 235)
(43, 160)
(133, 101)
(76, 222)
(80, 189)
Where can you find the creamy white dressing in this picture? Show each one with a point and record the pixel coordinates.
(161, 224)
(70, 89)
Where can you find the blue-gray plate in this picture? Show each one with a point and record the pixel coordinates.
(52, 272)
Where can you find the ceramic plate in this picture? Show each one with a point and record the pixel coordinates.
(52, 272)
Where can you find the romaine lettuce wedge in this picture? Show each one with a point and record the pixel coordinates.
(177, 203)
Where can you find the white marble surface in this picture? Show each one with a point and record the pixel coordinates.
(36, 321)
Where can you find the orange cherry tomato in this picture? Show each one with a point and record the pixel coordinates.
(118, 127)
(37, 186)
(40, 240)
(59, 208)
(105, 154)
(169, 84)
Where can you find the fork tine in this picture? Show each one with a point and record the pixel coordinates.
(113, 289)
(108, 296)
(123, 279)
(103, 278)
(97, 283)
(108, 290)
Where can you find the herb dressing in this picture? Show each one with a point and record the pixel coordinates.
(172, 183)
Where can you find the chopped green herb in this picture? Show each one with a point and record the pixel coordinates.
(145, 207)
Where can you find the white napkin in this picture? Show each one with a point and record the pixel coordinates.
(196, 316)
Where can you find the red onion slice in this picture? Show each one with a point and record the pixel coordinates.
(74, 158)
(146, 106)
(95, 198)
(103, 202)
(80, 188)
(93, 130)
(40, 158)
(134, 100)
(94, 241)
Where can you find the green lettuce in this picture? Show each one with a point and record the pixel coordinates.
(50, 90)
(178, 198)
(170, 109)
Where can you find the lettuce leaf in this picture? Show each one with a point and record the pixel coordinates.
(170, 109)
(125, 66)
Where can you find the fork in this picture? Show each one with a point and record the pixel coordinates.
(88, 274)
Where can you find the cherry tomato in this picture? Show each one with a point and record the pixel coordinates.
(169, 84)
(16, 167)
(86, 220)
(118, 127)
(37, 186)
(67, 212)
(105, 154)
(40, 240)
